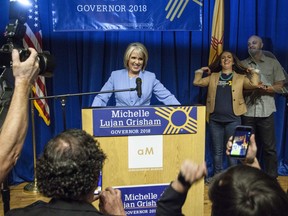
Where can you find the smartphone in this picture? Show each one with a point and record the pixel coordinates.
(241, 141)
(99, 185)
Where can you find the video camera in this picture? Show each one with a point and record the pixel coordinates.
(14, 33)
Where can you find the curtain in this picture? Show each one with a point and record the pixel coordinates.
(84, 61)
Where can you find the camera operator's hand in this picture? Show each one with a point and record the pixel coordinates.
(26, 71)
(111, 202)
(15, 126)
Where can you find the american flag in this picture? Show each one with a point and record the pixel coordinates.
(33, 38)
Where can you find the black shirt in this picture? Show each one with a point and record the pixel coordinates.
(223, 111)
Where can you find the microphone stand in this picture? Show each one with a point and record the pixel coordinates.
(63, 105)
(32, 186)
(84, 93)
(64, 96)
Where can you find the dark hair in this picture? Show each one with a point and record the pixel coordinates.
(238, 67)
(69, 166)
(247, 191)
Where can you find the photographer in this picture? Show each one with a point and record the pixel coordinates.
(239, 190)
(14, 128)
(68, 171)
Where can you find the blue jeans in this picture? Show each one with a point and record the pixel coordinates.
(220, 133)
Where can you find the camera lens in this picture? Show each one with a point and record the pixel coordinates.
(46, 64)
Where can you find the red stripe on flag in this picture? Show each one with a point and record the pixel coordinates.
(33, 38)
(40, 84)
(28, 41)
(39, 38)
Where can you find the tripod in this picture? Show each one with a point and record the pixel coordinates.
(5, 191)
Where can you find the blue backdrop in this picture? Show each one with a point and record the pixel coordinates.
(86, 59)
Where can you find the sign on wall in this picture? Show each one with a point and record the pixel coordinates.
(109, 15)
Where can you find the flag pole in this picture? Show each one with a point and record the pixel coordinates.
(32, 186)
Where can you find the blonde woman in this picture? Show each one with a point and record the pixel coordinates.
(135, 62)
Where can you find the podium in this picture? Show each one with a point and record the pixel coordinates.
(145, 148)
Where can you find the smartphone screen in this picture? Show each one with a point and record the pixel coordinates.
(99, 185)
(241, 140)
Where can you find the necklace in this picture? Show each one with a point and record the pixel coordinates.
(225, 79)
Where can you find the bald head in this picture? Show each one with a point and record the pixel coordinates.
(255, 37)
(255, 42)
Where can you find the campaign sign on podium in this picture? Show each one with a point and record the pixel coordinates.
(145, 147)
(144, 121)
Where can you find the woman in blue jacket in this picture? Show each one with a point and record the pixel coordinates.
(135, 62)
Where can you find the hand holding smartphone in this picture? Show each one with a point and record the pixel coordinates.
(241, 141)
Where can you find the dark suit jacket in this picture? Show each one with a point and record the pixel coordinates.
(56, 207)
(170, 203)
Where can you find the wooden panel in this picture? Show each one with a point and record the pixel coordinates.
(176, 148)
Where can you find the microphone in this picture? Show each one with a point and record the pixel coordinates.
(138, 86)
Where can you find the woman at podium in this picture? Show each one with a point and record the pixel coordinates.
(137, 83)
